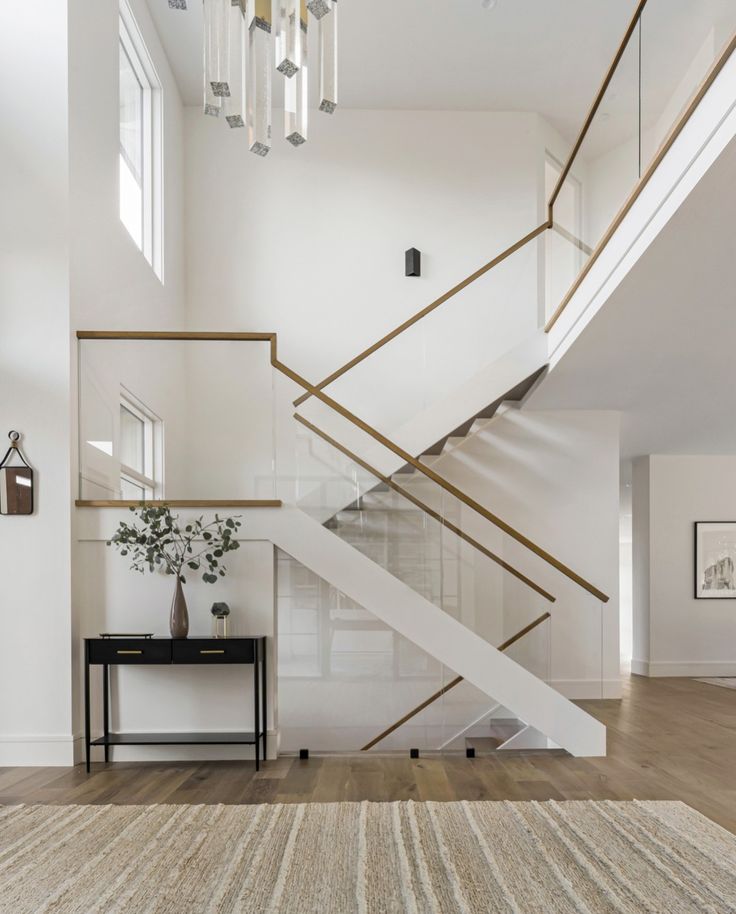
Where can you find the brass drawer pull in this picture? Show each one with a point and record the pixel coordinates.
(212, 652)
(129, 652)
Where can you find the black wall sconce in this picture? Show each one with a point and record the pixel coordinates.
(413, 261)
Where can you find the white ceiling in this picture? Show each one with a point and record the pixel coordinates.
(663, 348)
(547, 56)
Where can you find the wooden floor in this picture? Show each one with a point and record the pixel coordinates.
(667, 739)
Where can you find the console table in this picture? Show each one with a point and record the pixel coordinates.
(107, 652)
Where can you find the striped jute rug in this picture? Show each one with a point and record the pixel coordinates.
(425, 858)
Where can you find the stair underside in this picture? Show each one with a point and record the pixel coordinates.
(515, 395)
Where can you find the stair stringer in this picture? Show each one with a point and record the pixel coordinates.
(434, 631)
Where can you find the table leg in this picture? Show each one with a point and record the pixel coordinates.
(106, 711)
(264, 700)
(86, 704)
(257, 709)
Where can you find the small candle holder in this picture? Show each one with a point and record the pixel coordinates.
(220, 613)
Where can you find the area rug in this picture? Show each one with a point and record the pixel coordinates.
(338, 858)
(726, 682)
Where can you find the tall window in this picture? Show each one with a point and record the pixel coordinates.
(140, 143)
(140, 451)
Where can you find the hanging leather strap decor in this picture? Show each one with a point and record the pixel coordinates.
(16, 482)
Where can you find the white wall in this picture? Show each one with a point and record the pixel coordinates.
(675, 634)
(35, 652)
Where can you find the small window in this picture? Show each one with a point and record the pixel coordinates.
(141, 447)
(140, 143)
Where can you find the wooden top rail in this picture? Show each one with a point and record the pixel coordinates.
(173, 335)
(450, 685)
(168, 503)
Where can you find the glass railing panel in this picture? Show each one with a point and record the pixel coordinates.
(680, 41)
(444, 350)
(463, 717)
(151, 426)
(603, 174)
(344, 675)
(410, 527)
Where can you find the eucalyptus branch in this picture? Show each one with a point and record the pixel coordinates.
(160, 544)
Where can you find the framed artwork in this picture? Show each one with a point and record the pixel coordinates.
(715, 560)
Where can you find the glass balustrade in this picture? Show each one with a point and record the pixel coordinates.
(669, 55)
(457, 562)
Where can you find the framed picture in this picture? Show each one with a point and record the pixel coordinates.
(715, 560)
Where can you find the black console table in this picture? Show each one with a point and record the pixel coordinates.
(106, 652)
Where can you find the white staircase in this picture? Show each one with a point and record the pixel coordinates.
(434, 631)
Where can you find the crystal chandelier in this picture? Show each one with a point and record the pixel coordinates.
(240, 59)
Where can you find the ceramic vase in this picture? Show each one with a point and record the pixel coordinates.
(179, 618)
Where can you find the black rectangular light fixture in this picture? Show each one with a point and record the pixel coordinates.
(413, 261)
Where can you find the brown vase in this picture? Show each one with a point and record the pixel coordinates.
(179, 619)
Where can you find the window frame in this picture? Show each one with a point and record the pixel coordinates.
(151, 479)
(131, 43)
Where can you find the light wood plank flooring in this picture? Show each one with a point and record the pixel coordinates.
(667, 739)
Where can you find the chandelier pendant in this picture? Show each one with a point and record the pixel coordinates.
(243, 50)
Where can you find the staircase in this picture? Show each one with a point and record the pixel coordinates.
(375, 521)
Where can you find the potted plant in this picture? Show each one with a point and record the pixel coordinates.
(158, 543)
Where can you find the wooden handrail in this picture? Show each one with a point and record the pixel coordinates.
(424, 507)
(451, 685)
(162, 335)
(160, 503)
(440, 480)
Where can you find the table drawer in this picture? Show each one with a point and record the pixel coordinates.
(129, 650)
(214, 650)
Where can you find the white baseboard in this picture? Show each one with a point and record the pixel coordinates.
(657, 668)
(36, 750)
(588, 688)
